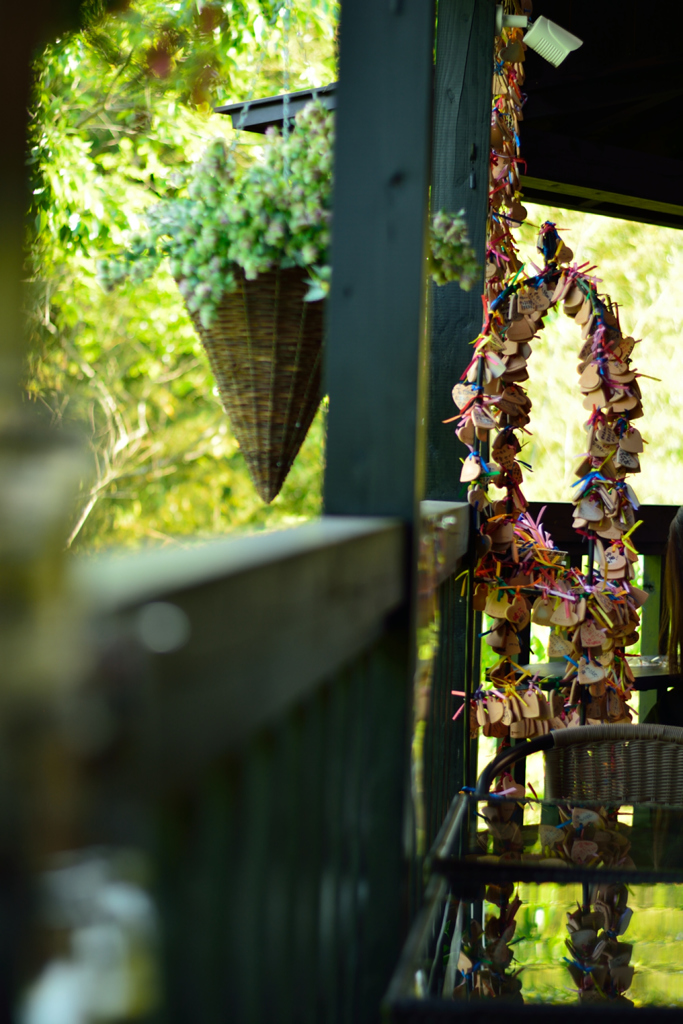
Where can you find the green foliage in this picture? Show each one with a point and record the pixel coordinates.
(119, 111)
(274, 213)
(451, 257)
(640, 266)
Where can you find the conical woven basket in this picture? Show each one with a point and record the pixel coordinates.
(265, 350)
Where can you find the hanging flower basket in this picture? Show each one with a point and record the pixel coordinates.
(265, 350)
(247, 247)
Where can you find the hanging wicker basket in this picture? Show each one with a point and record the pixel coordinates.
(265, 350)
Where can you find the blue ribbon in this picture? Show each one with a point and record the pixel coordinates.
(581, 967)
(594, 475)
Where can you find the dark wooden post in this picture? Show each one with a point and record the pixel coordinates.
(462, 100)
(462, 105)
(375, 360)
(375, 330)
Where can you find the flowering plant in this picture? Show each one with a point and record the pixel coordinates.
(276, 213)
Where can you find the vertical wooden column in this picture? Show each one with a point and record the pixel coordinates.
(375, 360)
(375, 356)
(462, 102)
(462, 117)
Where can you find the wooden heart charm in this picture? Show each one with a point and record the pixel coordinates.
(591, 636)
(625, 347)
(590, 379)
(573, 301)
(471, 468)
(611, 533)
(632, 441)
(542, 297)
(623, 402)
(542, 610)
(583, 850)
(639, 596)
(591, 510)
(503, 534)
(627, 461)
(504, 456)
(520, 330)
(583, 466)
(512, 646)
(607, 436)
(561, 288)
(495, 365)
(556, 704)
(518, 612)
(598, 450)
(582, 816)
(462, 394)
(565, 614)
(496, 638)
(525, 301)
(559, 646)
(477, 498)
(584, 312)
(516, 473)
(465, 433)
(550, 835)
(481, 593)
(482, 418)
(595, 399)
(614, 558)
(615, 706)
(495, 709)
(590, 672)
(530, 705)
(497, 604)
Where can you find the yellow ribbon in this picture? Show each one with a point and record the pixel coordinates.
(628, 533)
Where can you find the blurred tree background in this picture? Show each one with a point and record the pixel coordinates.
(119, 109)
(641, 267)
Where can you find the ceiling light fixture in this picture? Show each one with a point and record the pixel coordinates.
(548, 40)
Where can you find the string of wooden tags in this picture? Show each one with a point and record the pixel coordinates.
(520, 575)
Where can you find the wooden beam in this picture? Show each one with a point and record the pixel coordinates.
(267, 620)
(451, 522)
(376, 324)
(649, 539)
(578, 174)
(259, 115)
(462, 117)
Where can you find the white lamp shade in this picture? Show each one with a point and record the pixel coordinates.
(550, 41)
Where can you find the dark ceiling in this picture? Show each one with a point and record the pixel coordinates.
(601, 133)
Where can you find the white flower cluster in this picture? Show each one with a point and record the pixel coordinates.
(277, 213)
(452, 257)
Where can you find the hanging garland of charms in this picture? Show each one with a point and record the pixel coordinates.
(598, 958)
(520, 575)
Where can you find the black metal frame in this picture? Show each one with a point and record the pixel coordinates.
(509, 757)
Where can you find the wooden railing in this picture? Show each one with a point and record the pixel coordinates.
(260, 756)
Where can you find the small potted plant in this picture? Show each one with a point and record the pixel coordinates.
(249, 249)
